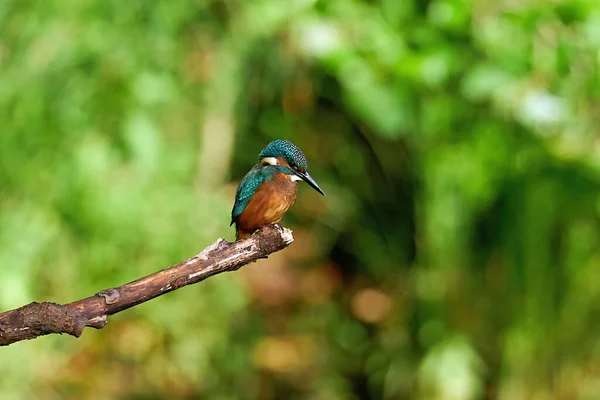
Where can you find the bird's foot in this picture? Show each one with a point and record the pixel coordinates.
(278, 226)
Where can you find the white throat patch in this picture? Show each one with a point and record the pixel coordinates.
(295, 178)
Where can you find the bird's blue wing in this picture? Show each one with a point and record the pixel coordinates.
(248, 186)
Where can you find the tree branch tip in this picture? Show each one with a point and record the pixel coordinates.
(38, 319)
(287, 236)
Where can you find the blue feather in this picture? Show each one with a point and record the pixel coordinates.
(287, 150)
(248, 187)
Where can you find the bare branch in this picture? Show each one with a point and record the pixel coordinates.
(37, 319)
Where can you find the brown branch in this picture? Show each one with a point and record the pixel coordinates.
(37, 319)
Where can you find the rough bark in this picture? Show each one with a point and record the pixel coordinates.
(37, 319)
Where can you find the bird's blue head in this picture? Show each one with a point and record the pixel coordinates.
(290, 160)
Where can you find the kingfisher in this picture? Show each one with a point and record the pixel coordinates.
(269, 189)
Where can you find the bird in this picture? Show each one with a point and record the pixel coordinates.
(269, 189)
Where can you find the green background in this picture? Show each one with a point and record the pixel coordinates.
(456, 255)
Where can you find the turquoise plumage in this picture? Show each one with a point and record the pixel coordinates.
(269, 189)
(248, 187)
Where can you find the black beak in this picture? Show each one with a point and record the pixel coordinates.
(308, 179)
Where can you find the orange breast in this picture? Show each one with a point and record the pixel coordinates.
(268, 205)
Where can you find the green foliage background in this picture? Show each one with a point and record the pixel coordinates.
(456, 255)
